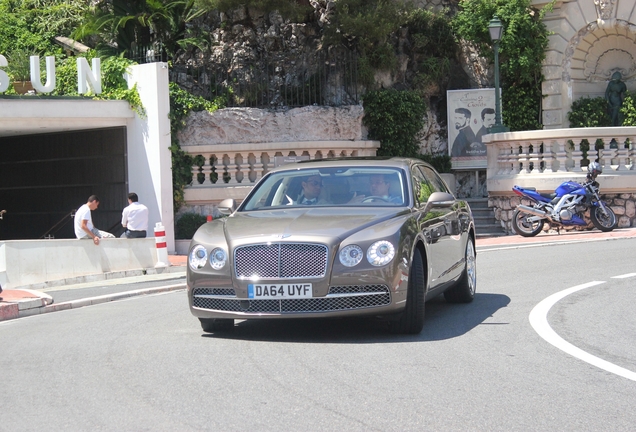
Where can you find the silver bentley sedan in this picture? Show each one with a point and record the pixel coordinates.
(332, 238)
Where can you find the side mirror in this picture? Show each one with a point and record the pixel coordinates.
(227, 206)
(439, 199)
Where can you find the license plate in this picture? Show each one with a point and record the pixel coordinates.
(279, 291)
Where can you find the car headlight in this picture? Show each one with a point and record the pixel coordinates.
(350, 255)
(218, 258)
(198, 257)
(380, 253)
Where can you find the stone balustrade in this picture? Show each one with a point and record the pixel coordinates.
(545, 158)
(230, 170)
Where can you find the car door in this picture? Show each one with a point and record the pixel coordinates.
(438, 225)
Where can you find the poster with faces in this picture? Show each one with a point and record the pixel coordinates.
(470, 114)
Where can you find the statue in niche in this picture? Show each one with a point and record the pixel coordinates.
(604, 9)
(614, 94)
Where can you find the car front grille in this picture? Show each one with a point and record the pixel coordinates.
(280, 261)
(340, 298)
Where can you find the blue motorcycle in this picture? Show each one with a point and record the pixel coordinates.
(565, 207)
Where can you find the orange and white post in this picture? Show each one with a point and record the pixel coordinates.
(162, 247)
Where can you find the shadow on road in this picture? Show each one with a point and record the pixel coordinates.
(443, 321)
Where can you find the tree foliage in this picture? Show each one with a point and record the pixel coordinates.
(394, 118)
(433, 47)
(118, 26)
(367, 26)
(521, 53)
(292, 9)
(629, 109)
(23, 25)
(589, 112)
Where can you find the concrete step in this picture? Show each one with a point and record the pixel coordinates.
(485, 223)
(489, 230)
(477, 203)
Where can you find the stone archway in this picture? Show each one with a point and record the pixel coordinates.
(587, 46)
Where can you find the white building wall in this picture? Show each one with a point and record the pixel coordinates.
(149, 156)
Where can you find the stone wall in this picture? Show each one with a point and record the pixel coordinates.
(623, 205)
(253, 125)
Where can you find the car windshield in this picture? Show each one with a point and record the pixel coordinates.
(338, 186)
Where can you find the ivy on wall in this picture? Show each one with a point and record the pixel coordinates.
(183, 103)
(394, 118)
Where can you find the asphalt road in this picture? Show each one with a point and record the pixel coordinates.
(144, 363)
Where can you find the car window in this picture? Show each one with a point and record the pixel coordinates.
(438, 184)
(422, 188)
(327, 187)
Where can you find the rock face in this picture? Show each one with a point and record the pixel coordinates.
(252, 125)
(245, 42)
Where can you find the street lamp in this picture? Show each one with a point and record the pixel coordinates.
(495, 28)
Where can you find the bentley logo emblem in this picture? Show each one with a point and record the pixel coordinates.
(281, 236)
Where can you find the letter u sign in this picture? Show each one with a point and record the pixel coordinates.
(86, 77)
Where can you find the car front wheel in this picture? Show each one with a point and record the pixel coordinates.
(411, 321)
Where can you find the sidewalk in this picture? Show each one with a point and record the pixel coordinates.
(25, 302)
(552, 237)
(22, 302)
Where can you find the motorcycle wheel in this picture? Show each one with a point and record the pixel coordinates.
(604, 222)
(525, 227)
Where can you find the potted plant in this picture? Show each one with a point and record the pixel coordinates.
(19, 70)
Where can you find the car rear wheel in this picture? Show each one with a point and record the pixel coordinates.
(210, 325)
(464, 289)
(411, 321)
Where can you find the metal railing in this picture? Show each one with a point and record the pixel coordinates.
(50, 233)
(151, 53)
(330, 78)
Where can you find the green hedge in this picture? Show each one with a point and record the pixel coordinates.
(394, 118)
(188, 224)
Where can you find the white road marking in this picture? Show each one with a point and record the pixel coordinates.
(539, 321)
(628, 275)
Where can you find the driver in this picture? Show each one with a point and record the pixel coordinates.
(379, 187)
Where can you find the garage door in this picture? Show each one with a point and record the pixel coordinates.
(45, 178)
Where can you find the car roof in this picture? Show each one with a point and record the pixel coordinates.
(392, 162)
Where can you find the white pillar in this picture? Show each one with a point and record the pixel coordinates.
(149, 157)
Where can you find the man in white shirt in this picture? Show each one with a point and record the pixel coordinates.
(84, 228)
(134, 218)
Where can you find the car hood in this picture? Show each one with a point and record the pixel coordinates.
(303, 223)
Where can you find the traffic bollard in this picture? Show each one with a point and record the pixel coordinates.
(162, 247)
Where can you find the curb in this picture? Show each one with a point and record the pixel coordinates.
(18, 302)
(101, 277)
(37, 306)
